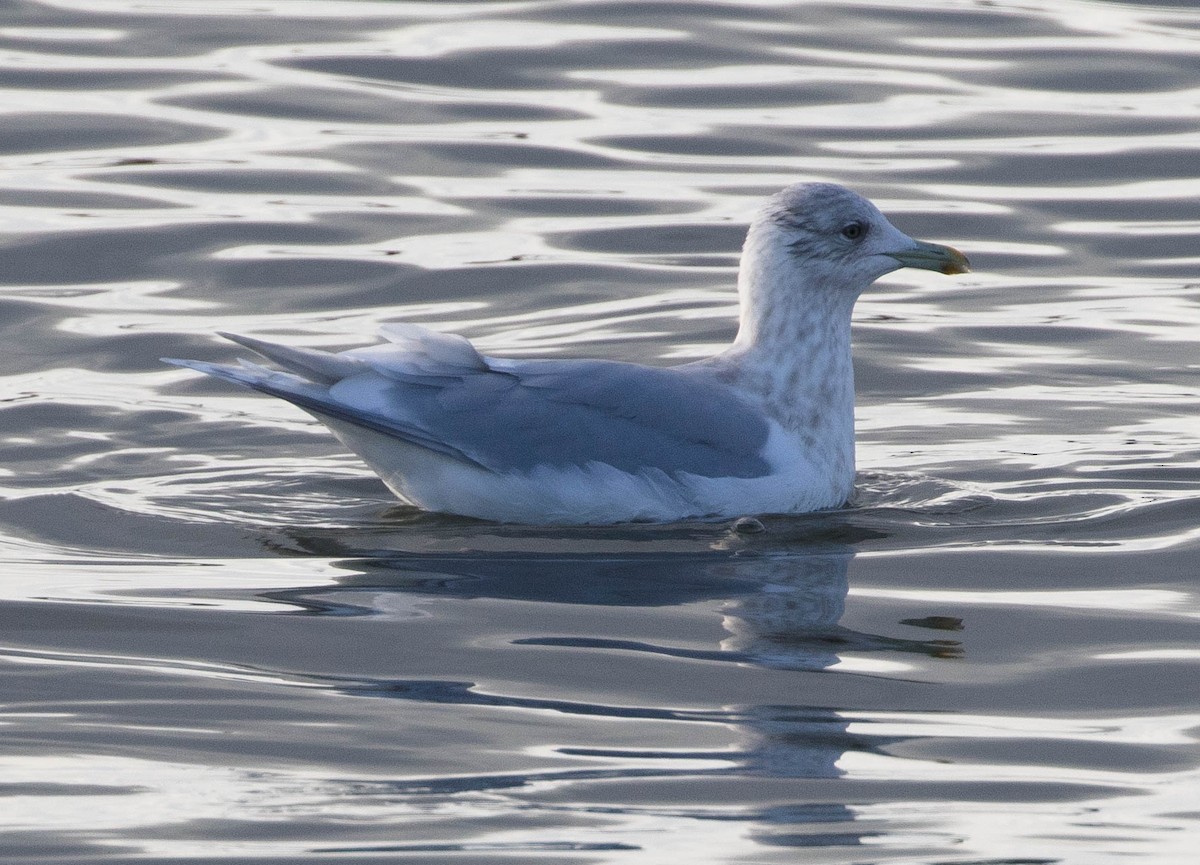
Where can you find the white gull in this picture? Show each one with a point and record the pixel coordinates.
(766, 426)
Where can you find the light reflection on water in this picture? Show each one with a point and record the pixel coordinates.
(224, 640)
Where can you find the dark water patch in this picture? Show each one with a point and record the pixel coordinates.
(519, 69)
(80, 201)
(158, 252)
(282, 283)
(1080, 72)
(86, 527)
(1080, 171)
(354, 106)
(886, 24)
(567, 205)
(659, 239)
(790, 99)
(47, 133)
(683, 145)
(247, 180)
(696, 12)
(83, 80)
(514, 152)
(1068, 756)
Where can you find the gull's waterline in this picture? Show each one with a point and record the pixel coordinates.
(766, 426)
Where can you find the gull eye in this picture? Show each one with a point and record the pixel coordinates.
(853, 230)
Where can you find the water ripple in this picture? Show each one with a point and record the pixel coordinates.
(223, 638)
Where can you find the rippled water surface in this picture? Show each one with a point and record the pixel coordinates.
(223, 641)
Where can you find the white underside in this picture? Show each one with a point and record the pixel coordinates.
(597, 493)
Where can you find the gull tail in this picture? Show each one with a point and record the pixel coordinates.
(315, 398)
(322, 367)
(285, 385)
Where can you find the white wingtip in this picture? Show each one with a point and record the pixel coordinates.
(318, 366)
(448, 349)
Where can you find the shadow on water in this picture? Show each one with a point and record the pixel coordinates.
(781, 610)
(780, 602)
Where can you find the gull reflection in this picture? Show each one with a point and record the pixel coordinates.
(781, 609)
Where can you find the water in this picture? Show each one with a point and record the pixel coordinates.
(224, 642)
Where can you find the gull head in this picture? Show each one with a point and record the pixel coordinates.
(830, 239)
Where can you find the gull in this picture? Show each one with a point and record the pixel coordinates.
(764, 427)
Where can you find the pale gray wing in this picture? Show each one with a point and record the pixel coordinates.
(519, 415)
(436, 391)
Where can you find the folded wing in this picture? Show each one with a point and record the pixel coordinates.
(436, 391)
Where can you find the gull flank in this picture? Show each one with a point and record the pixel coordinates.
(766, 426)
